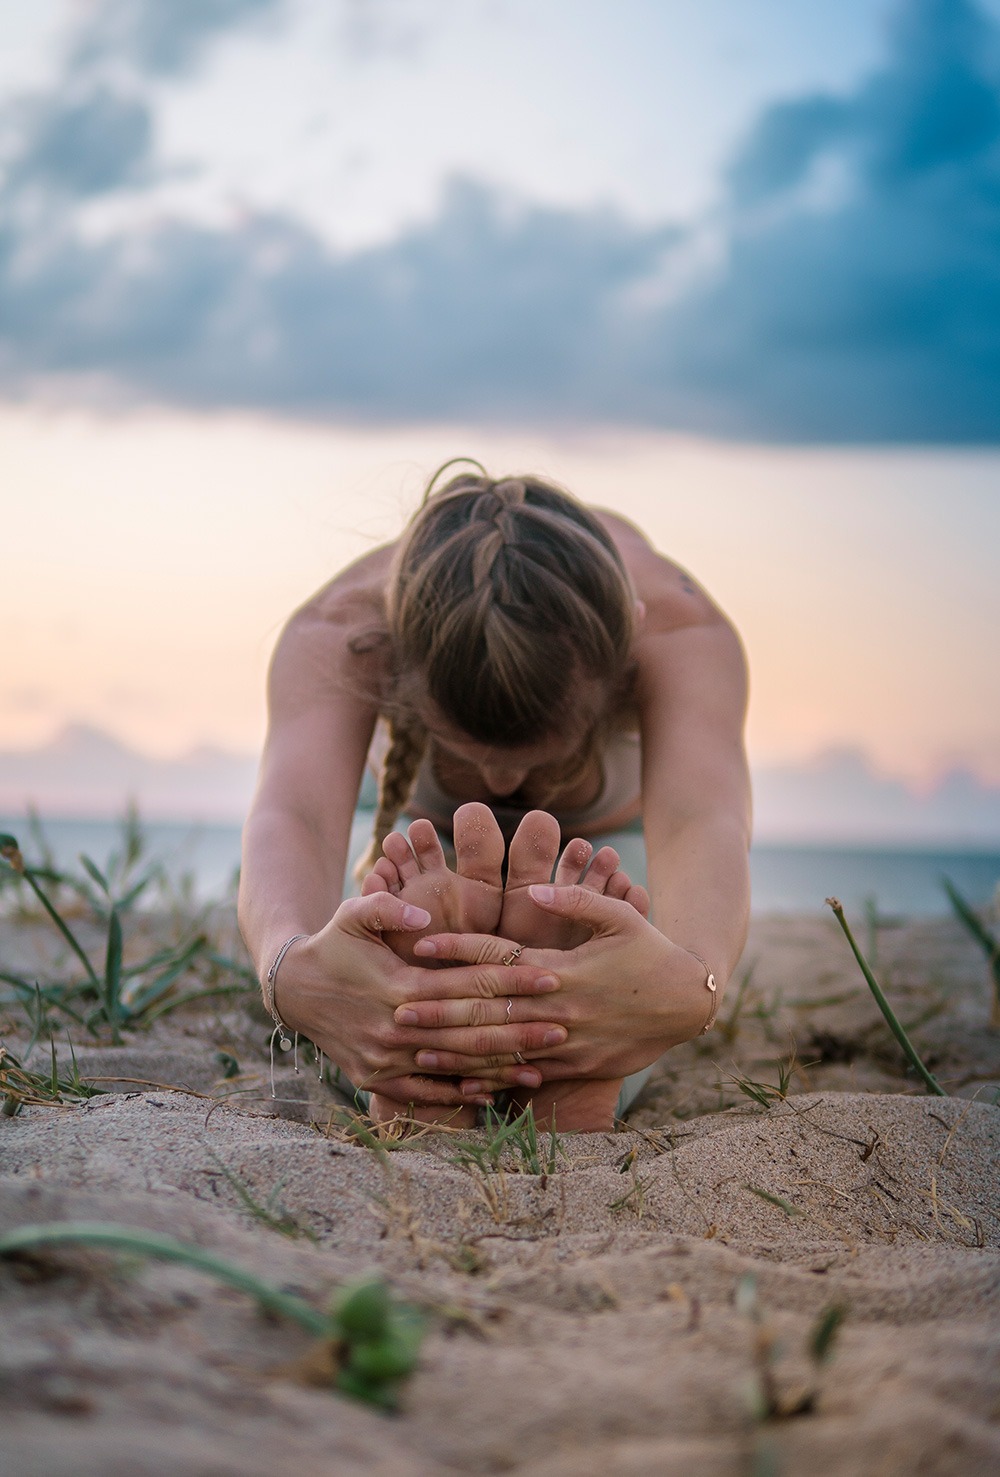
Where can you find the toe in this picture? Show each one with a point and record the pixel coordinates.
(533, 850)
(388, 872)
(618, 885)
(427, 846)
(479, 844)
(573, 863)
(398, 851)
(602, 869)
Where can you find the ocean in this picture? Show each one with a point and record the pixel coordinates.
(786, 879)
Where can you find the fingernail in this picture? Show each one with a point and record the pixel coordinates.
(426, 1059)
(555, 1037)
(529, 1079)
(483, 1102)
(407, 1018)
(542, 893)
(424, 947)
(471, 1089)
(415, 917)
(546, 982)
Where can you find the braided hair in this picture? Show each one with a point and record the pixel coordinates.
(503, 597)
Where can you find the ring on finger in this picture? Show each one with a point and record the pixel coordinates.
(513, 956)
(519, 1058)
(510, 1007)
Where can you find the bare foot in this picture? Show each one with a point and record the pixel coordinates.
(577, 1105)
(533, 852)
(467, 900)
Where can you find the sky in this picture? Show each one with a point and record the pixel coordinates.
(731, 269)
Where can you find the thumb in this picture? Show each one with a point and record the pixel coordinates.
(380, 912)
(602, 914)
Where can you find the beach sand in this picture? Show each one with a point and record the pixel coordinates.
(646, 1308)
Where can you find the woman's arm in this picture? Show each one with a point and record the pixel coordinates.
(340, 984)
(297, 833)
(696, 790)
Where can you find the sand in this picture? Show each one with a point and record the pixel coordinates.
(645, 1308)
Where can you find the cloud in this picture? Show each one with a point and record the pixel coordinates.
(265, 315)
(84, 145)
(162, 37)
(86, 772)
(850, 292)
(874, 312)
(840, 798)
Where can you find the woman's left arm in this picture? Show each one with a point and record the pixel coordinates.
(637, 988)
(692, 688)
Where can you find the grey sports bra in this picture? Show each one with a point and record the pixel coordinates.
(621, 775)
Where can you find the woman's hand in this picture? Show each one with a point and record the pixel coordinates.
(627, 994)
(340, 987)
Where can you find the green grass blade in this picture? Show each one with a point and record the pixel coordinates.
(150, 1243)
(824, 1332)
(989, 944)
(113, 1007)
(141, 998)
(909, 1050)
(94, 872)
(63, 927)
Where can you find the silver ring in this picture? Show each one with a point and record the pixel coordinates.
(510, 1007)
(519, 1058)
(513, 956)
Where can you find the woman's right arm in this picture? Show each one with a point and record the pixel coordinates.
(340, 984)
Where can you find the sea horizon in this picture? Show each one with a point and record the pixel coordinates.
(788, 876)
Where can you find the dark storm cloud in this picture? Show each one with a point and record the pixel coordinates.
(857, 297)
(162, 37)
(83, 145)
(875, 314)
(475, 313)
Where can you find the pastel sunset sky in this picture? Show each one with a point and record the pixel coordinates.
(730, 269)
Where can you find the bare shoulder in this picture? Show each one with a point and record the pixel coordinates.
(673, 598)
(337, 638)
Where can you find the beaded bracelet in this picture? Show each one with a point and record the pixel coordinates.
(285, 1042)
(281, 1030)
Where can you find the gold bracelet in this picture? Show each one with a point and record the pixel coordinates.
(711, 985)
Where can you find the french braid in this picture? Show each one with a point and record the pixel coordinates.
(407, 745)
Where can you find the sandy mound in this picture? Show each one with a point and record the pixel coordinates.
(647, 1307)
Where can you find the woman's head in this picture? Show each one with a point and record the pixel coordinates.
(510, 609)
(511, 619)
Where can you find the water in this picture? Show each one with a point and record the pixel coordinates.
(786, 879)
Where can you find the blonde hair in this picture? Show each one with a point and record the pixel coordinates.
(504, 596)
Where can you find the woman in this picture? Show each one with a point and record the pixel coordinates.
(530, 657)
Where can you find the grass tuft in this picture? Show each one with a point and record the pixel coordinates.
(511, 1144)
(910, 1051)
(112, 994)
